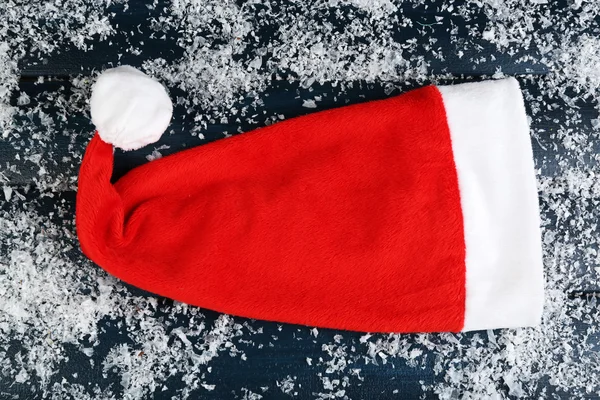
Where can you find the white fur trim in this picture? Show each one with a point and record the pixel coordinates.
(129, 108)
(496, 177)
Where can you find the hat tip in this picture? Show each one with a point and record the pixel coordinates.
(129, 108)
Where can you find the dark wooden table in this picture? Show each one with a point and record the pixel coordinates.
(141, 346)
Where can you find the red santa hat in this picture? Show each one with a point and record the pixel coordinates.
(417, 213)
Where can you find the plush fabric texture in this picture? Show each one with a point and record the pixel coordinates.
(348, 218)
(129, 108)
(494, 162)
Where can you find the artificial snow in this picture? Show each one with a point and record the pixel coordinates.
(55, 304)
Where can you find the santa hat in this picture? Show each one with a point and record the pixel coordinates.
(417, 213)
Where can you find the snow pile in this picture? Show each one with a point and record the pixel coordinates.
(230, 60)
(35, 29)
(51, 298)
(144, 368)
(42, 303)
(580, 63)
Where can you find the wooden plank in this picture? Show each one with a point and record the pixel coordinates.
(134, 41)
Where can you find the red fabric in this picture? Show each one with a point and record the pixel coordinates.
(348, 218)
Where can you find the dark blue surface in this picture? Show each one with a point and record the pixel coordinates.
(275, 352)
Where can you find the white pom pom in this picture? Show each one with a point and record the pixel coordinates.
(129, 108)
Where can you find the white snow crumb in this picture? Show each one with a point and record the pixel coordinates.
(414, 353)
(23, 99)
(155, 155)
(309, 103)
(287, 385)
(498, 74)
(7, 192)
(256, 63)
(22, 376)
(492, 337)
(490, 34)
(250, 395)
(514, 386)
